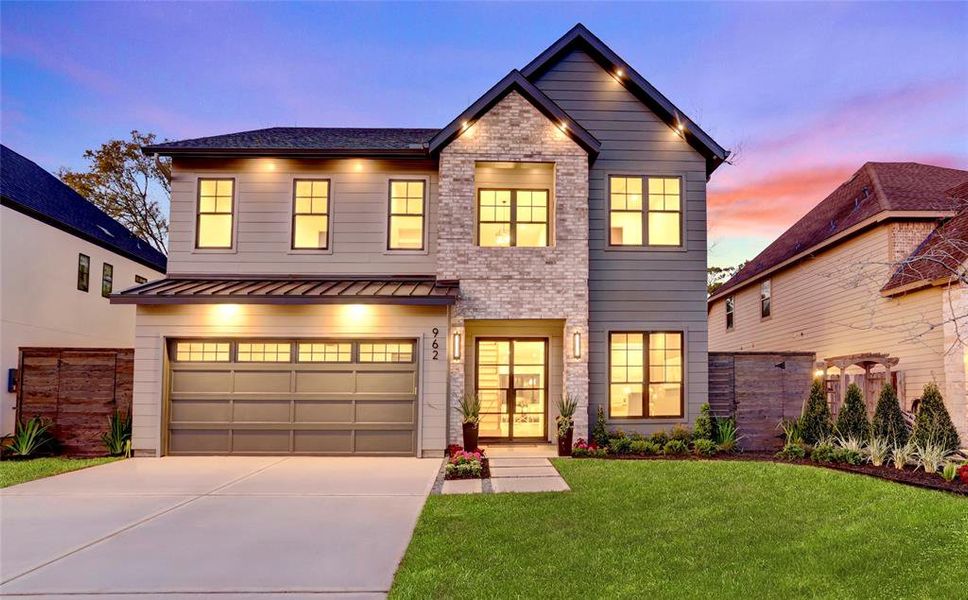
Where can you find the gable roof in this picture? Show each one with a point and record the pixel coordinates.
(314, 141)
(515, 81)
(580, 37)
(941, 256)
(912, 188)
(29, 189)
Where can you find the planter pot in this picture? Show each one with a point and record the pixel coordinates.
(564, 442)
(470, 436)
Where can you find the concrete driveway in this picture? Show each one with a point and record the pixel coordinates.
(193, 527)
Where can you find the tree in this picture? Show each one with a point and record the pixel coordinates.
(852, 420)
(705, 424)
(888, 422)
(933, 423)
(127, 185)
(717, 276)
(815, 421)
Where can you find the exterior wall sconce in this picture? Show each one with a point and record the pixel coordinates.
(576, 344)
(456, 345)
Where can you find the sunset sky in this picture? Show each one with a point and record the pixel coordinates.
(803, 93)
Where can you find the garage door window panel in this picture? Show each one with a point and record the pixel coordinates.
(386, 352)
(272, 352)
(202, 351)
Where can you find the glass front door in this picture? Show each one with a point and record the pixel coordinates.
(512, 383)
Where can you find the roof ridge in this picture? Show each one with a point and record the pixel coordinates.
(878, 187)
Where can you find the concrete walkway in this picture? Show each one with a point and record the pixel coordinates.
(194, 527)
(514, 468)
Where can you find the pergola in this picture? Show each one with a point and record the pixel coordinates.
(866, 361)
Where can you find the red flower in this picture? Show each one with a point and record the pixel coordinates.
(963, 473)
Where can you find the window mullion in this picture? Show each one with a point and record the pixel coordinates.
(646, 373)
(514, 218)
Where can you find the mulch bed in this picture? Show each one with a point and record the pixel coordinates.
(485, 472)
(908, 476)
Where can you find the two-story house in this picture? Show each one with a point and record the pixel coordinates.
(61, 257)
(873, 280)
(335, 290)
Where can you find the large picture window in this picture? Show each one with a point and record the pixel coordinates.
(407, 211)
(310, 214)
(644, 211)
(645, 374)
(513, 218)
(216, 199)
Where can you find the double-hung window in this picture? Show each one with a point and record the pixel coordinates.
(644, 211)
(83, 272)
(310, 214)
(645, 374)
(730, 311)
(405, 230)
(766, 296)
(216, 200)
(107, 280)
(513, 218)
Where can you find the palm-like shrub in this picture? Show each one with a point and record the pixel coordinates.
(815, 423)
(888, 422)
(118, 437)
(705, 424)
(933, 423)
(30, 437)
(852, 420)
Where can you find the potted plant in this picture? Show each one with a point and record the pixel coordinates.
(470, 414)
(567, 405)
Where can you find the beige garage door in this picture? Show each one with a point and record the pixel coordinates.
(292, 397)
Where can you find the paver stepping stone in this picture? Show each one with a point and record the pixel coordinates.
(462, 486)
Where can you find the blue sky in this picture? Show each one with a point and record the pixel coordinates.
(805, 93)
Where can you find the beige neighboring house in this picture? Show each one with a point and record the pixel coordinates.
(872, 279)
(338, 290)
(60, 259)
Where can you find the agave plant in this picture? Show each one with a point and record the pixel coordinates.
(727, 438)
(877, 450)
(852, 444)
(117, 440)
(30, 437)
(567, 405)
(469, 407)
(792, 431)
(904, 455)
(932, 454)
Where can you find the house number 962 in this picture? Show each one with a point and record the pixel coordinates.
(436, 344)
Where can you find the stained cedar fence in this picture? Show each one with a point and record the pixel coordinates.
(77, 389)
(759, 389)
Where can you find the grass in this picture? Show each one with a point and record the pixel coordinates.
(13, 472)
(670, 529)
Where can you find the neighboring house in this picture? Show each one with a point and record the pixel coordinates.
(60, 259)
(871, 279)
(339, 290)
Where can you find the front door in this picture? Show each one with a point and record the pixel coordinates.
(512, 383)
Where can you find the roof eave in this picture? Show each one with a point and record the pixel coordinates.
(700, 140)
(421, 152)
(515, 81)
(129, 298)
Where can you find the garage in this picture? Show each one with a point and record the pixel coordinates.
(292, 396)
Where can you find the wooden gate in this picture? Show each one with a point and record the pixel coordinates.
(77, 389)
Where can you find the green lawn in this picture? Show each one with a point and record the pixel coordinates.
(685, 529)
(13, 472)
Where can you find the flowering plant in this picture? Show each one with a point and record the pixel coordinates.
(583, 449)
(464, 464)
(963, 473)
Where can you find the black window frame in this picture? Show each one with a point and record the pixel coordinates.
(83, 272)
(107, 280)
(647, 375)
(730, 305)
(513, 223)
(644, 212)
(140, 279)
(766, 299)
(327, 214)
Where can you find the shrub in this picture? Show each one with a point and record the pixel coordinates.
(933, 423)
(620, 445)
(681, 433)
(583, 449)
(888, 422)
(635, 436)
(675, 448)
(566, 404)
(848, 456)
(31, 437)
(792, 451)
(644, 448)
(704, 447)
(823, 453)
(117, 440)
(877, 450)
(660, 438)
(469, 408)
(726, 437)
(464, 464)
(950, 471)
(705, 424)
(852, 420)
(904, 455)
(815, 421)
(600, 431)
(791, 429)
(963, 473)
(932, 455)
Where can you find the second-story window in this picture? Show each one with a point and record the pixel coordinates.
(215, 212)
(766, 293)
(83, 272)
(512, 218)
(310, 215)
(405, 228)
(107, 280)
(138, 279)
(730, 311)
(633, 223)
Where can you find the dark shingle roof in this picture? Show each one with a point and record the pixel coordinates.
(305, 140)
(942, 255)
(873, 189)
(27, 188)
